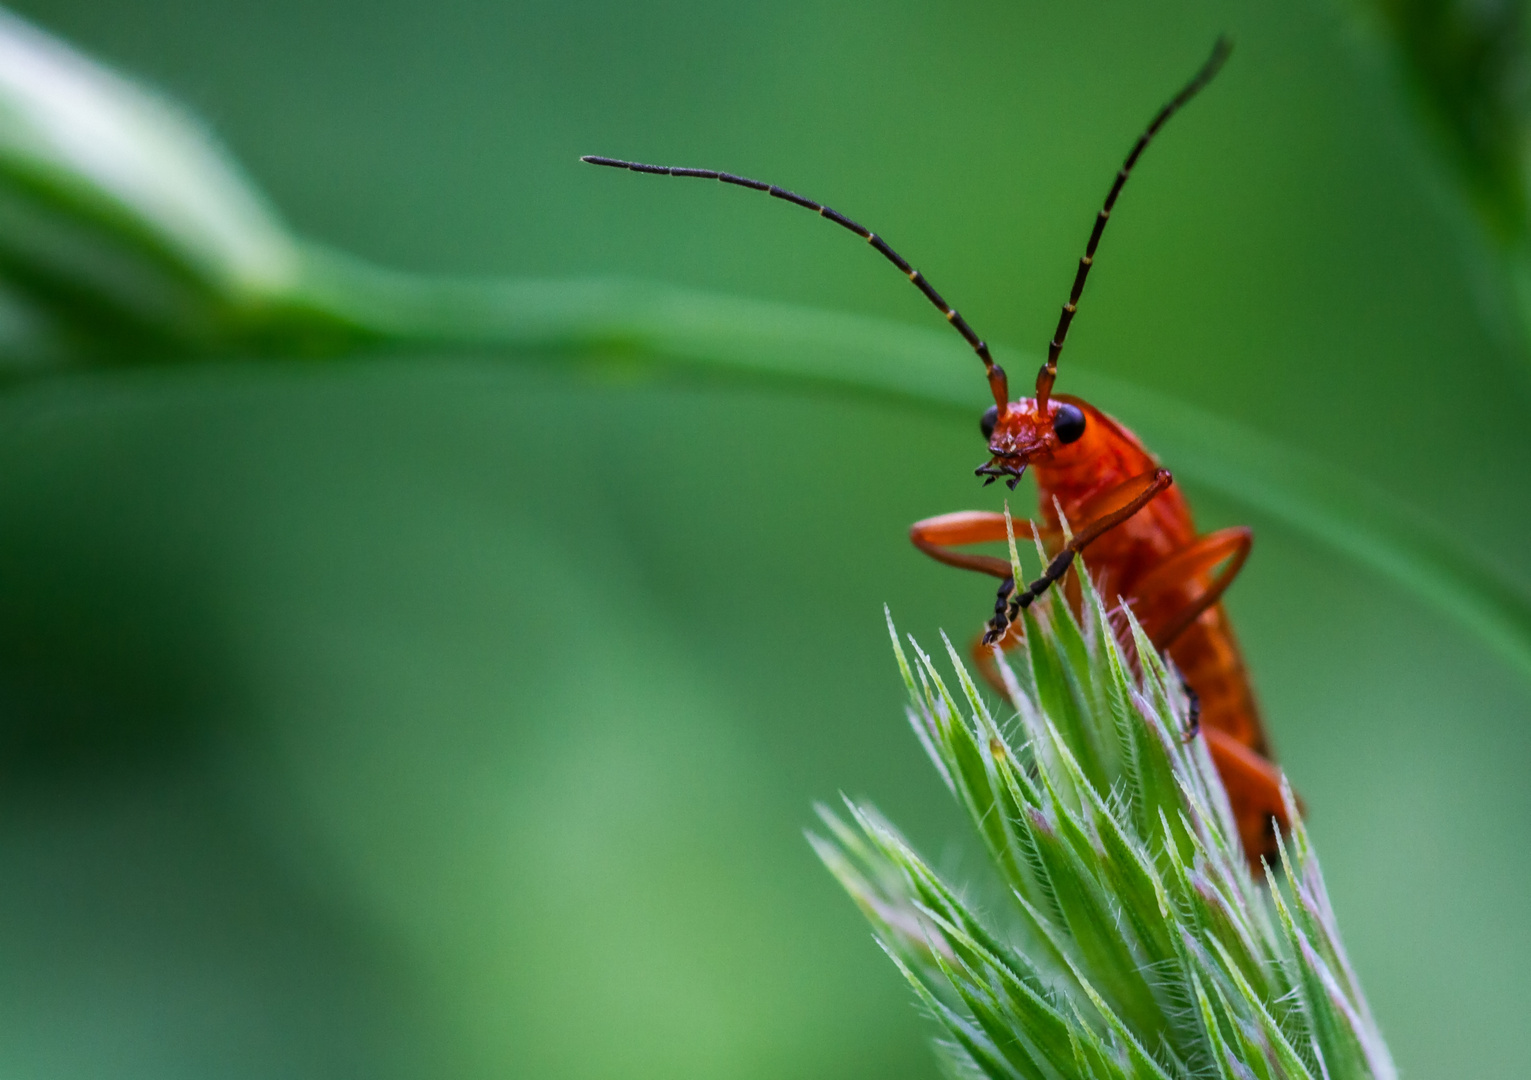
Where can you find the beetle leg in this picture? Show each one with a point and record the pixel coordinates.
(983, 654)
(1176, 603)
(1175, 593)
(1254, 794)
(936, 537)
(1192, 712)
(1125, 500)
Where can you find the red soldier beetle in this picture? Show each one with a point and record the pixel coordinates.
(1094, 473)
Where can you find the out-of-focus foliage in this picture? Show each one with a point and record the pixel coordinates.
(124, 232)
(1469, 65)
(133, 228)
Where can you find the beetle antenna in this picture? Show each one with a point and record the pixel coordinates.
(998, 385)
(1049, 370)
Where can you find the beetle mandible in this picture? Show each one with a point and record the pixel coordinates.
(1094, 473)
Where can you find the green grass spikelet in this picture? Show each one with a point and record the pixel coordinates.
(1133, 942)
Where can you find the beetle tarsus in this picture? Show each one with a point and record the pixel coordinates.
(1001, 620)
(1192, 712)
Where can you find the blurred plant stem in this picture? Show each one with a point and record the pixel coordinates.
(1130, 939)
(127, 237)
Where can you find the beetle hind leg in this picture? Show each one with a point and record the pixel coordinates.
(1253, 784)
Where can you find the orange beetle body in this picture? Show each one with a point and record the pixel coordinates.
(1153, 560)
(1144, 547)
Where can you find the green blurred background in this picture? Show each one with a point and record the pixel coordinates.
(448, 714)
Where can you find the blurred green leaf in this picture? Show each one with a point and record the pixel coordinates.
(621, 324)
(1469, 65)
(126, 235)
(125, 230)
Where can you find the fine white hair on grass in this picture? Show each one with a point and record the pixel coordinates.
(1131, 941)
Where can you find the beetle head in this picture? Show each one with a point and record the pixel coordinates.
(1031, 430)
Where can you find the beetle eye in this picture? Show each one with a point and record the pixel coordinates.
(988, 420)
(1069, 423)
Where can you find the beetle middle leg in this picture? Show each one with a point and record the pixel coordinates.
(1174, 594)
(1177, 605)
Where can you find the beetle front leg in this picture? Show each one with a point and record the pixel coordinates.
(938, 536)
(1001, 619)
(1126, 499)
